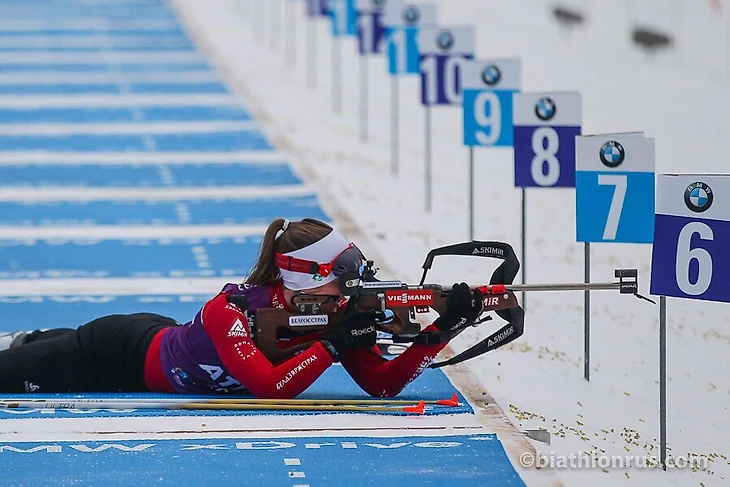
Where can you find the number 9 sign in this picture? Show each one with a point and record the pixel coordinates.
(614, 188)
(489, 85)
(546, 125)
(690, 256)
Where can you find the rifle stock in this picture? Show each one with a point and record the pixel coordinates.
(279, 333)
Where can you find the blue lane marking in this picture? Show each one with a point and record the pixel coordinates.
(173, 46)
(259, 211)
(251, 140)
(135, 176)
(112, 12)
(104, 68)
(355, 461)
(132, 114)
(110, 31)
(63, 258)
(73, 311)
(113, 88)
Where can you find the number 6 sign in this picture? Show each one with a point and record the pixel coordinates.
(690, 257)
(614, 188)
(546, 125)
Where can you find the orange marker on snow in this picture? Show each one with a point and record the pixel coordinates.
(453, 402)
(419, 408)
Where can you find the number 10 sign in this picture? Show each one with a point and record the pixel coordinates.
(690, 258)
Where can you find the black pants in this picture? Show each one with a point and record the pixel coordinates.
(104, 355)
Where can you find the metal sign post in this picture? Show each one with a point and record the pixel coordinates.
(614, 191)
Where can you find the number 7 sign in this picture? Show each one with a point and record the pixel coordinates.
(614, 188)
(690, 255)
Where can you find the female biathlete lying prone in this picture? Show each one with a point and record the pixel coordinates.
(214, 353)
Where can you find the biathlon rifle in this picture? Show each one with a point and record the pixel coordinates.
(280, 334)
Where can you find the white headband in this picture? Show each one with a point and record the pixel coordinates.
(322, 251)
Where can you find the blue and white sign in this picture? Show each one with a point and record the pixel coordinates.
(318, 8)
(690, 257)
(545, 128)
(444, 51)
(371, 26)
(614, 188)
(344, 17)
(488, 88)
(403, 21)
(288, 461)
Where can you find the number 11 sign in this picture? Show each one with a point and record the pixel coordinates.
(690, 257)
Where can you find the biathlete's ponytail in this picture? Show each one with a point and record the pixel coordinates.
(284, 236)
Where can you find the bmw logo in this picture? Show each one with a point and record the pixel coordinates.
(491, 75)
(545, 108)
(612, 154)
(445, 40)
(698, 197)
(411, 15)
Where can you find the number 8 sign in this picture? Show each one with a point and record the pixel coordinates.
(614, 188)
(690, 256)
(546, 125)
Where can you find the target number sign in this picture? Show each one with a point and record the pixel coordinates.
(318, 8)
(344, 17)
(370, 26)
(403, 22)
(545, 128)
(489, 86)
(614, 188)
(443, 52)
(690, 257)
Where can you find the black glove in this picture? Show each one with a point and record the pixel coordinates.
(462, 308)
(238, 300)
(354, 330)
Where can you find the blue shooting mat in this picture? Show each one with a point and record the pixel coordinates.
(148, 175)
(32, 312)
(110, 67)
(204, 87)
(168, 45)
(64, 258)
(335, 383)
(227, 211)
(249, 140)
(111, 31)
(125, 114)
(53, 12)
(354, 461)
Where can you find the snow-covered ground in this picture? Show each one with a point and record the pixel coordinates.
(679, 98)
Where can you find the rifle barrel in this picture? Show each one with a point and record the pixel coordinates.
(581, 286)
